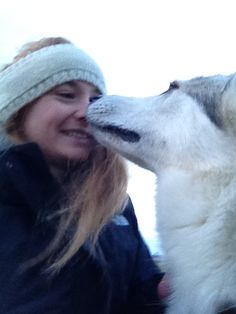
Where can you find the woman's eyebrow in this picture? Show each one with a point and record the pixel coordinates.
(71, 83)
(74, 85)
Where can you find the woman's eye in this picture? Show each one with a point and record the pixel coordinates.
(67, 95)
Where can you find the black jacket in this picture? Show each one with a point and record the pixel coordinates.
(120, 278)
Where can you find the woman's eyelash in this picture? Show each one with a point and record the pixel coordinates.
(66, 94)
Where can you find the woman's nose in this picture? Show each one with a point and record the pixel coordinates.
(83, 106)
(81, 110)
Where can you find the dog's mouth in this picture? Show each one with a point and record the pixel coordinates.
(125, 134)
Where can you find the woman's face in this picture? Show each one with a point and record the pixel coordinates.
(56, 122)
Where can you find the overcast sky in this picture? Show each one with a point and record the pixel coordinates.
(141, 45)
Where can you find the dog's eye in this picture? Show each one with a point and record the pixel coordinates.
(173, 85)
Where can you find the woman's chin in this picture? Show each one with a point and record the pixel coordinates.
(68, 157)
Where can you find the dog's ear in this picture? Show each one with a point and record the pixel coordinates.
(229, 105)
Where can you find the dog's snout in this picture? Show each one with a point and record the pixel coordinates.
(93, 99)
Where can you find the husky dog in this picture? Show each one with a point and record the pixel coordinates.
(186, 136)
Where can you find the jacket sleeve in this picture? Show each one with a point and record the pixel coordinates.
(143, 298)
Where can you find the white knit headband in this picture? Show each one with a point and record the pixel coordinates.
(38, 72)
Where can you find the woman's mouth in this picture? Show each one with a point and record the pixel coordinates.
(78, 134)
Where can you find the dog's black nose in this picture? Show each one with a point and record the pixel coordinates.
(93, 99)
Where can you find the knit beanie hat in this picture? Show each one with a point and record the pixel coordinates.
(38, 72)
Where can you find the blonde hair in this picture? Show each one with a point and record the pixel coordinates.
(92, 200)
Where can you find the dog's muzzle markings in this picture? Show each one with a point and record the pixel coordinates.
(125, 134)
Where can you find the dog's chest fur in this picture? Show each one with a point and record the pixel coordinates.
(196, 217)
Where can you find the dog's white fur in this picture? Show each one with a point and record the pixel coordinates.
(187, 137)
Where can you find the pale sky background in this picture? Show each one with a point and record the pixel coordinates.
(141, 46)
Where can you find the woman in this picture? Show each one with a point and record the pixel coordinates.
(69, 237)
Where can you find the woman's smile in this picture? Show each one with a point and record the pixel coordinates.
(79, 135)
